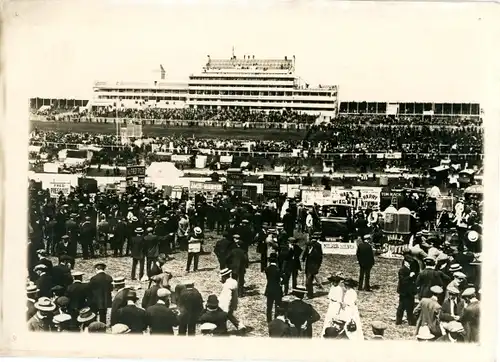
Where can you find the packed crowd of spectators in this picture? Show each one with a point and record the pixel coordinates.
(321, 139)
(227, 117)
(408, 120)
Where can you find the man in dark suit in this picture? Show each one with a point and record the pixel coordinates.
(313, 258)
(119, 299)
(159, 317)
(72, 230)
(301, 314)
(190, 306)
(61, 273)
(131, 315)
(262, 247)
(78, 294)
(214, 314)
(222, 248)
(88, 233)
(237, 261)
(291, 264)
(120, 234)
(100, 287)
(279, 327)
(42, 259)
(150, 295)
(44, 281)
(152, 247)
(137, 251)
(288, 222)
(273, 291)
(453, 306)
(428, 278)
(406, 291)
(366, 260)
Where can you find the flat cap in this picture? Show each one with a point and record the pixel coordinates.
(469, 292)
(436, 289)
(459, 275)
(451, 289)
(120, 328)
(163, 292)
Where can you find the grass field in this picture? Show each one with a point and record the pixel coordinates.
(158, 131)
(378, 305)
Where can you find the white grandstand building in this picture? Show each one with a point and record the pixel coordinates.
(247, 83)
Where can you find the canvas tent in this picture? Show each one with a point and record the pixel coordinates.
(164, 173)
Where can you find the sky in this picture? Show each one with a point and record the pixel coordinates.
(372, 51)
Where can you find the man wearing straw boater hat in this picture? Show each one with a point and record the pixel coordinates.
(31, 293)
(119, 298)
(85, 317)
(100, 288)
(160, 318)
(42, 320)
(228, 298)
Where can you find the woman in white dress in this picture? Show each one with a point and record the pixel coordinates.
(350, 312)
(335, 297)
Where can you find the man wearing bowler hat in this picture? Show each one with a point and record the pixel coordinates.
(190, 306)
(100, 288)
(214, 314)
(301, 314)
(131, 315)
(78, 293)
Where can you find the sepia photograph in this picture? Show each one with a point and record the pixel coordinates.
(281, 170)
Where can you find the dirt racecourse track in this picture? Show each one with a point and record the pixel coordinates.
(158, 130)
(377, 305)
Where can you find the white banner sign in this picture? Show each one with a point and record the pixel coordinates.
(393, 156)
(226, 159)
(50, 167)
(338, 248)
(62, 186)
(180, 158)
